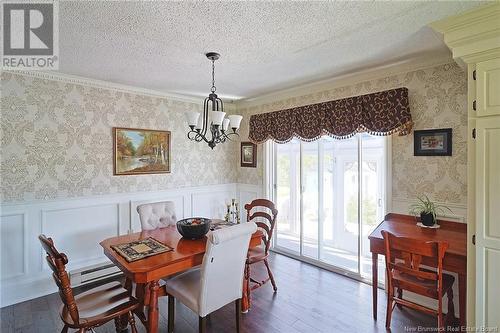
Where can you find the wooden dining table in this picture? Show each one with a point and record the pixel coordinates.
(143, 276)
(455, 259)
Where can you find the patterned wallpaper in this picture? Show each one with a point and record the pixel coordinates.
(438, 99)
(56, 141)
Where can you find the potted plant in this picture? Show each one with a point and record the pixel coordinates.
(427, 210)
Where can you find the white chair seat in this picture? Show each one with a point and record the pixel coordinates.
(186, 288)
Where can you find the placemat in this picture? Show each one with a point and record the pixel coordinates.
(141, 249)
(219, 224)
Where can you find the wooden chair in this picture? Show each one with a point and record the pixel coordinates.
(94, 307)
(406, 274)
(258, 254)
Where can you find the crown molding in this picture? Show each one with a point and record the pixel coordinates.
(94, 83)
(467, 19)
(403, 66)
(373, 73)
(473, 35)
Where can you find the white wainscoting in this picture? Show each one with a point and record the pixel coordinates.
(458, 211)
(78, 225)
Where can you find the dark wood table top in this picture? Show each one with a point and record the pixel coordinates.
(455, 233)
(185, 254)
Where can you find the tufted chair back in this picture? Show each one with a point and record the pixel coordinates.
(157, 215)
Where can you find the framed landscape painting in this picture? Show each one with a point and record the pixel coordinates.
(140, 151)
(434, 142)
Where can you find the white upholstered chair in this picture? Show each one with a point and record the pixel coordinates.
(157, 215)
(218, 281)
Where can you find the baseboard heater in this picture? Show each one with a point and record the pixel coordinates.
(93, 273)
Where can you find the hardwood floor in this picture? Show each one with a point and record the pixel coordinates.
(309, 299)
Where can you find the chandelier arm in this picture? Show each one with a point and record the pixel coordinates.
(194, 136)
(229, 135)
(205, 117)
(200, 137)
(221, 104)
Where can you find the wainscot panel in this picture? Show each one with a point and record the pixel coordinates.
(78, 225)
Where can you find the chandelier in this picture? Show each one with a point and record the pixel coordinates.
(212, 126)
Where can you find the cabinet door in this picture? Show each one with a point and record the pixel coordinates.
(488, 88)
(488, 221)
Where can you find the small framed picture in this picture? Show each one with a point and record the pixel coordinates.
(433, 142)
(140, 151)
(248, 154)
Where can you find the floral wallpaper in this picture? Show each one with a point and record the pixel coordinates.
(438, 99)
(56, 138)
(56, 141)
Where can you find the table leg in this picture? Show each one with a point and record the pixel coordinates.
(374, 283)
(245, 301)
(153, 307)
(462, 295)
(140, 295)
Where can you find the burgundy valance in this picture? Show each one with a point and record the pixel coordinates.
(381, 113)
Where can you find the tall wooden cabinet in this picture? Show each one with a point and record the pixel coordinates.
(474, 39)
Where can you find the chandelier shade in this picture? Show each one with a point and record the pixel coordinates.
(192, 118)
(235, 120)
(212, 125)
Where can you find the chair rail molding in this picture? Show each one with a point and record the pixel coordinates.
(458, 211)
(79, 224)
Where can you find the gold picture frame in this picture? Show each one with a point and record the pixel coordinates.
(141, 151)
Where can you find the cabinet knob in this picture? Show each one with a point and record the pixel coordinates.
(474, 105)
(473, 133)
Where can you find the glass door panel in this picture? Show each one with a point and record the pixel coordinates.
(287, 194)
(339, 246)
(310, 197)
(330, 196)
(372, 191)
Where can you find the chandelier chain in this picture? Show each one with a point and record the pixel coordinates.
(213, 76)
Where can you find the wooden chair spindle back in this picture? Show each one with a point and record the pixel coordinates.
(57, 262)
(265, 220)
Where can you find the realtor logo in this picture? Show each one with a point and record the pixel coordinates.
(29, 36)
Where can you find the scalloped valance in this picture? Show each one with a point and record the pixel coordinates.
(381, 113)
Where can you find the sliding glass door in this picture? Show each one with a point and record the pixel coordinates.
(287, 195)
(330, 195)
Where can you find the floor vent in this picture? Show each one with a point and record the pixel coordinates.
(93, 273)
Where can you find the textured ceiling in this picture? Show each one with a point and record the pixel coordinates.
(264, 46)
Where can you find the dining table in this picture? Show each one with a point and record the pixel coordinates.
(142, 277)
